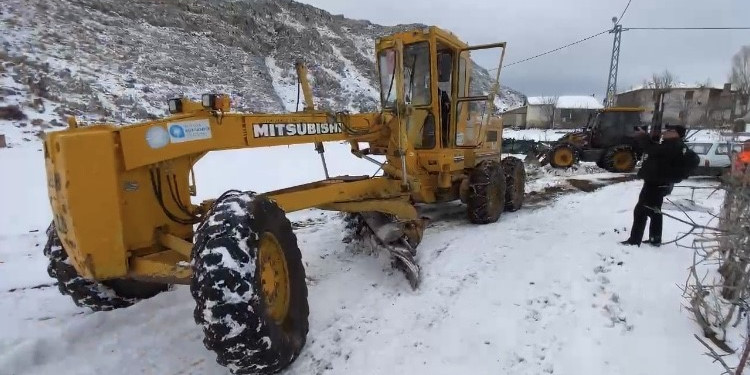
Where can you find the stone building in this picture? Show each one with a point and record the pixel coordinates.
(698, 106)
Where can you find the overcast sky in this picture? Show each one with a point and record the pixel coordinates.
(531, 27)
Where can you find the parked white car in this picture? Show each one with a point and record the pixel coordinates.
(716, 157)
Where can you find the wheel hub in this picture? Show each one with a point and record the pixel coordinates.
(563, 156)
(622, 160)
(274, 277)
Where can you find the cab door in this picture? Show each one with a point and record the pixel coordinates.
(473, 104)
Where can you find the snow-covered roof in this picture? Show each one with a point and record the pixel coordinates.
(568, 101)
(675, 85)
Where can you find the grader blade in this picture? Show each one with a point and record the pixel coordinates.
(402, 258)
(398, 238)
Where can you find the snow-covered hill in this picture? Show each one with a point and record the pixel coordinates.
(119, 61)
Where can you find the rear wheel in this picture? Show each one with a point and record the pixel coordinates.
(249, 285)
(619, 159)
(563, 156)
(95, 295)
(515, 183)
(486, 196)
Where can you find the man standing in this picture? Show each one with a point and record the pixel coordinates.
(658, 174)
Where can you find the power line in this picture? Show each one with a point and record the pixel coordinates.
(624, 29)
(619, 20)
(556, 49)
(686, 28)
(567, 45)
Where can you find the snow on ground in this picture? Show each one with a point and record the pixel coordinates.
(540, 178)
(568, 101)
(546, 290)
(550, 135)
(543, 135)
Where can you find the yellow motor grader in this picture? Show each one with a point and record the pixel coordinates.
(124, 227)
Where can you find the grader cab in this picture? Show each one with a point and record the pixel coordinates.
(124, 226)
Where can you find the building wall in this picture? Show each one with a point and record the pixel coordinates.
(694, 107)
(512, 120)
(536, 117)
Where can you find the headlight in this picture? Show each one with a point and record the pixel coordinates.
(208, 100)
(175, 105)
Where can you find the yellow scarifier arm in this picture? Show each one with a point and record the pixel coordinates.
(124, 220)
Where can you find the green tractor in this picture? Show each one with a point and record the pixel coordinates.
(612, 139)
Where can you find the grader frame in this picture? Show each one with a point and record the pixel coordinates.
(118, 230)
(112, 227)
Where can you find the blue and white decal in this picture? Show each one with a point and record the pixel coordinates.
(186, 131)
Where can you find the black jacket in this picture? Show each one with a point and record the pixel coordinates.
(660, 158)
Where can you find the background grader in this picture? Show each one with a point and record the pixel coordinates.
(119, 235)
(611, 139)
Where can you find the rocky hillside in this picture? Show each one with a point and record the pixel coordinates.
(118, 61)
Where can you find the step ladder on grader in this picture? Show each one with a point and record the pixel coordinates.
(118, 235)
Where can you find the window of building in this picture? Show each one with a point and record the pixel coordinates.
(566, 115)
(689, 95)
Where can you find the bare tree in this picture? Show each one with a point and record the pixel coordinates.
(706, 83)
(663, 80)
(740, 77)
(549, 107)
(717, 291)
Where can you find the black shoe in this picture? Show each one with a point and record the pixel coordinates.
(630, 243)
(653, 242)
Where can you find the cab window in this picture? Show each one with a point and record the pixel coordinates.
(387, 67)
(417, 74)
(470, 114)
(462, 76)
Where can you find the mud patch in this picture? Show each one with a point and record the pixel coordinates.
(40, 286)
(537, 198)
(589, 186)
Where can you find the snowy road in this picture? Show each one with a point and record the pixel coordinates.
(546, 290)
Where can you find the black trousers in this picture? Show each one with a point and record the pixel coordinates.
(651, 198)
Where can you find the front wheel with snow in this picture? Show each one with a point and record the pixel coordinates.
(95, 295)
(515, 183)
(249, 285)
(486, 197)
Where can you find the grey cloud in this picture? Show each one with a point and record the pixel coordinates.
(531, 27)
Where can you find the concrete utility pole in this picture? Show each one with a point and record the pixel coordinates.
(613, 65)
